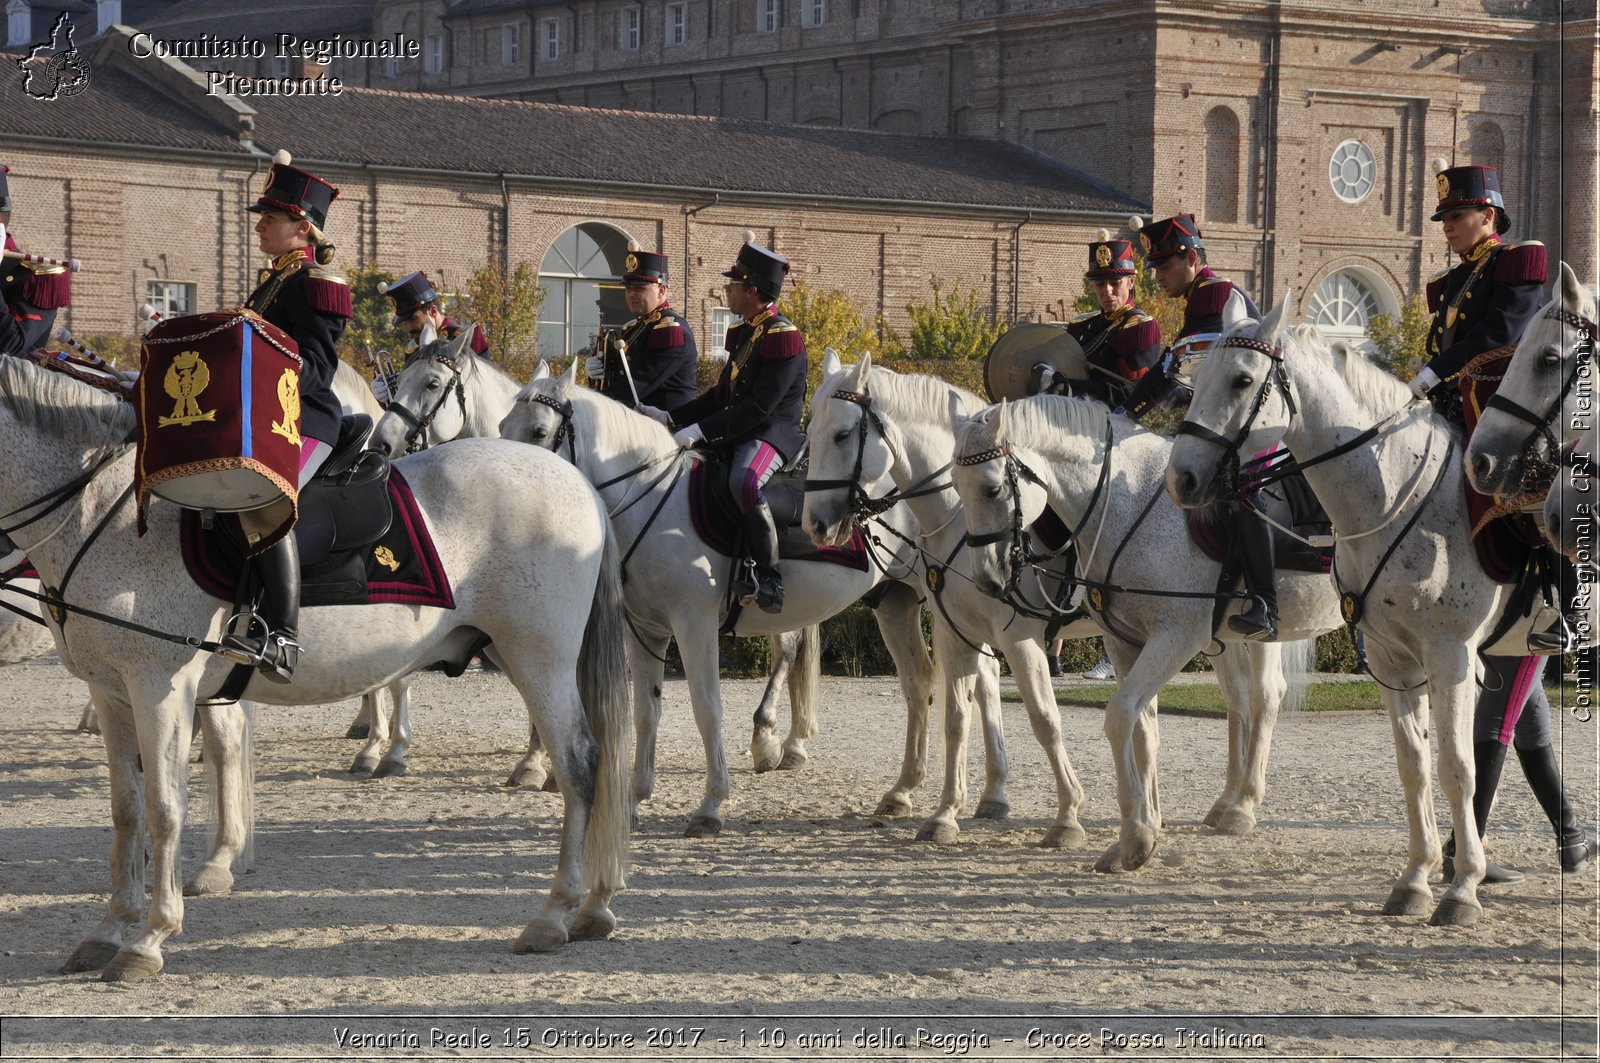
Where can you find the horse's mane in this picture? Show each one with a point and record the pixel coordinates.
(916, 394)
(473, 362)
(595, 414)
(60, 406)
(1055, 423)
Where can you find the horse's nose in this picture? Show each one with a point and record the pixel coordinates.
(819, 531)
(1184, 486)
(1480, 470)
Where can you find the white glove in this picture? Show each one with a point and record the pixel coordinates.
(594, 366)
(380, 388)
(2, 235)
(656, 413)
(688, 437)
(1424, 382)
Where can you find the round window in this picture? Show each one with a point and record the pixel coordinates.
(1352, 171)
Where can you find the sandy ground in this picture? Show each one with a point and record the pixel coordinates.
(377, 920)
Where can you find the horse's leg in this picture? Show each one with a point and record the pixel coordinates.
(394, 758)
(89, 721)
(533, 768)
(224, 731)
(956, 667)
(1408, 718)
(1267, 691)
(805, 687)
(899, 616)
(698, 647)
(377, 734)
(1450, 692)
(765, 750)
(1032, 671)
(1134, 733)
(646, 664)
(992, 803)
(1233, 681)
(162, 726)
(126, 906)
(361, 726)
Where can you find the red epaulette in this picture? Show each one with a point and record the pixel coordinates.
(48, 289)
(328, 293)
(479, 344)
(782, 341)
(1522, 263)
(668, 332)
(1209, 298)
(1435, 291)
(1143, 336)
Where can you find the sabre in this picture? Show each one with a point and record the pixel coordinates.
(627, 370)
(43, 260)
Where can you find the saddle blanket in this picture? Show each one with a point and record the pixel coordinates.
(716, 519)
(401, 568)
(22, 570)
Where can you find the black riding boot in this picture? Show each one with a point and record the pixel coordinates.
(1488, 758)
(1260, 621)
(276, 651)
(762, 537)
(1576, 845)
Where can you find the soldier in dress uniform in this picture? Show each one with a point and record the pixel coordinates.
(1483, 304)
(660, 345)
(416, 310)
(1175, 249)
(754, 409)
(1120, 341)
(30, 294)
(300, 295)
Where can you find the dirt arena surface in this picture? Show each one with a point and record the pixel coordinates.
(378, 918)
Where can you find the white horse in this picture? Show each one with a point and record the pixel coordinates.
(1404, 560)
(1151, 589)
(870, 425)
(676, 586)
(541, 581)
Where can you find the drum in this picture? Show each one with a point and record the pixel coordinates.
(1008, 370)
(219, 412)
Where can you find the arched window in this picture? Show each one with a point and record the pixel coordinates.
(581, 276)
(1487, 145)
(1344, 304)
(1222, 166)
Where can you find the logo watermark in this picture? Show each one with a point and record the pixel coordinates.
(54, 69)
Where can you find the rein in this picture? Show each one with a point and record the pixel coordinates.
(1541, 424)
(416, 438)
(861, 504)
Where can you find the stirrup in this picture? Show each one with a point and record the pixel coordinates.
(767, 594)
(273, 654)
(1559, 638)
(1257, 625)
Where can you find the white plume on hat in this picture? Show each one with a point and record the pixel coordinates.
(1135, 222)
(749, 236)
(633, 245)
(281, 157)
(1102, 235)
(1439, 164)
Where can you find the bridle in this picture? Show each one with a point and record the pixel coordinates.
(416, 438)
(862, 505)
(1542, 424)
(568, 431)
(1276, 377)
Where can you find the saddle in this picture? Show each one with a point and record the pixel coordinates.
(718, 522)
(1290, 502)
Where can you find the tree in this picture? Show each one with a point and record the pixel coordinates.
(827, 318)
(371, 328)
(1402, 340)
(506, 306)
(950, 328)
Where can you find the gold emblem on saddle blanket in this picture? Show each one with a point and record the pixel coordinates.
(186, 378)
(289, 400)
(386, 558)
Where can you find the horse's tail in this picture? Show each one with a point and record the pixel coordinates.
(1298, 660)
(603, 685)
(805, 680)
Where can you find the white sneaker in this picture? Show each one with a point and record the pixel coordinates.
(1102, 671)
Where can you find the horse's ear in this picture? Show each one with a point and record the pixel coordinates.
(830, 362)
(957, 417)
(863, 371)
(1233, 313)
(1341, 351)
(1002, 424)
(1273, 324)
(541, 371)
(569, 379)
(1574, 296)
(461, 347)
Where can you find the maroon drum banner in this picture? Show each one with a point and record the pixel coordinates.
(219, 415)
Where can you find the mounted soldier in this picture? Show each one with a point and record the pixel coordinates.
(754, 409)
(417, 311)
(651, 360)
(30, 293)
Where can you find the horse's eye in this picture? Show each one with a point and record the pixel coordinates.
(433, 385)
(1551, 355)
(1243, 381)
(992, 493)
(539, 434)
(842, 436)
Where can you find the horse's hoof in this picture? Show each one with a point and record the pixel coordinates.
(992, 810)
(550, 785)
(131, 966)
(358, 730)
(363, 765)
(211, 881)
(1064, 836)
(766, 762)
(1234, 820)
(938, 831)
(633, 823)
(539, 937)
(1408, 900)
(766, 753)
(1453, 911)
(592, 926)
(1110, 861)
(894, 805)
(390, 769)
(89, 956)
(1138, 854)
(703, 827)
(793, 759)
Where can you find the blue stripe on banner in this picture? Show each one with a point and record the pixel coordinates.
(246, 380)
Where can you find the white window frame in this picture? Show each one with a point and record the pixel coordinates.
(19, 25)
(433, 53)
(282, 68)
(510, 44)
(813, 13)
(630, 28)
(722, 319)
(675, 27)
(1353, 152)
(171, 298)
(766, 17)
(550, 38)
